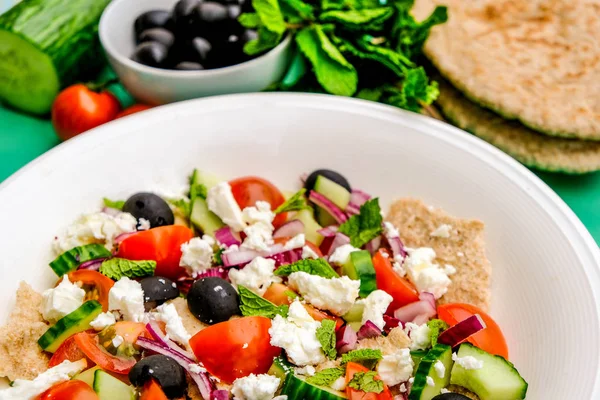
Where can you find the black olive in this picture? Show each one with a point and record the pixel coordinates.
(157, 290)
(152, 54)
(184, 17)
(234, 11)
(150, 207)
(151, 19)
(247, 6)
(213, 300)
(329, 174)
(450, 396)
(214, 22)
(189, 66)
(159, 35)
(166, 371)
(199, 50)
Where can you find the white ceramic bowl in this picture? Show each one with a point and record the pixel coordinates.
(160, 86)
(546, 277)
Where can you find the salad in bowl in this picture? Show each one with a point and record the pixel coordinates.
(237, 290)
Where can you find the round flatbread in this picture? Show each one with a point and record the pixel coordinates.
(537, 61)
(529, 147)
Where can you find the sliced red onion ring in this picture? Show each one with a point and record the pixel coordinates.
(158, 335)
(462, 331)
(328, 231)
(227, 237)
(397, 247)
(358, 197)
(239, 257)
(287, 257)
(352, 209)
(339, 240)
(409, 312)
(373, 245)
(219, 395)
(368, 330)
(346, 339)
(289, 229)
(328, 206)
(93, 265)
(391, 323)
(123, 236)
(426, 296)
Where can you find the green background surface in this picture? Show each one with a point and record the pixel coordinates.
(23, 138)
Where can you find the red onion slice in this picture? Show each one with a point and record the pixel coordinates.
(409, 312)
(158, 335)
(462, 331)
(368, 330)
(358, 197)
(328, 231)
(287, 257)
(339, 240)
(328, 206)
(397, 247)
(373, 245)
(93, 265)
(227, 237)
(391, 323)
(219, 395)
(426, 296)
(289, 229)
(346, 339)
(123, 236)
(352, 209)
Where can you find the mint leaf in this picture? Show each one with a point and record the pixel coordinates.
(311, 266)
(333, 72)
(295, 203)
(252, 304)
(392, 60)
(409, 34)
(416, 89)
(358, 19)
(326, 377)
(436, 326)
(249, 20)
(326, 336)
(116, 268)
(364, 226)
(367, 357)
(270, 15)
(266, 41)
(366, 382)
(116, 204)
(298, 9)
(370, 94)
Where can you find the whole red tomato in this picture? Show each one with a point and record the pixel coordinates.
(133, 109)
(78, 109)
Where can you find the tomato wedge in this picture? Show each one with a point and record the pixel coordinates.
(401, 290)
(88, 343)
(250, 189)
(95, 284)
(153, 391)
(236, 348)
(354, 394)
(489, 339)
(161, 244)
(68, 351)
(69, 390)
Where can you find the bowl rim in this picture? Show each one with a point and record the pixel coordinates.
(172, 73)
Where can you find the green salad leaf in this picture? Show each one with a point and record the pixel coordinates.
(367, 357)
(364, 226)
(358, 19)
(326, 336)
(116, 204)
(366, 382)
(117, 268)
(252, 304)
(311, 266)
(326, 377)
(295, 203)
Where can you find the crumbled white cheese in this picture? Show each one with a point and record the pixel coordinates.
(390, 231)
(103, 320)
(297, 335)
(430, 381)
(256, 276)
(167, 313)
(197, 255)
(127, 296)
(255, 387)
(309, 370)
(22, 389)
(117, 340)
(398, 268)
(259, 232)
(396, 367)
(62, 300)
(440, 369)
(197, 368)
(245, 346)
(335, 294)
(442, 231)
(308, 252)
(467, 362)
(341, 255)
(296, 242)
(339, 384)
(420, 338)
(444, 391)
(220, 200)
(143, 224)
(376, 304)
(424, 273)
(460, 254)
(97, 227)
(402, 388)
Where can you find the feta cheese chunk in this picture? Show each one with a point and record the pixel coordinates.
(28, 390)
(420, 338)
(197, 368)
(308, 252)
(127, 296)
(256, 276)
(96, 227)
(143, 224)
(167, 313)
(117, 340)
(259, 232)
(341, 255)
(309, 370)
(390, 231)
(297, 335)
(425, 274)
(62, 300)
(296, 242)
(103, 320)
(375, 305)
(442, 231)
(220, 200)
(197, 255)
(339, 384)
(255, 387)
(430, 381)
(336, 294)
(396, 367)
(440, 369)
(467, 362)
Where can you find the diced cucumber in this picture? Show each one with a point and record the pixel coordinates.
(323, 217)
(295, 388)
(421, 388)
(206, 178)
(45, 45)
(203, 218)
(360, 267)
(75, 322)
(355, 313)
(356, 325)
(333, 191)
(110, 388)
(311, 227)
(417, 356)
(87, 376)
(498, 379)
(280, 368)
(71, 259)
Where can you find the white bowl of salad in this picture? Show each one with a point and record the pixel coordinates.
(301, 247)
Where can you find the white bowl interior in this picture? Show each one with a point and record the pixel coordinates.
(545, 264)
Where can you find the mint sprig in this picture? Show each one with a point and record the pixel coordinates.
(364, 226)
(326, 377)
(117, 268)
(295, 203)
(252, 304)
(311, 266)
(326, 336)
(366, 382)
(367, 357)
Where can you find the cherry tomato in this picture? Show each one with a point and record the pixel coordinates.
(95, 284)
(136, 108)
(236, 348)
(68, 351)
(250, 189)
(161, 244)
(152, 391)
(78, 109)
(489, 339)
(88, 343)
(69, 390)
(354, 394)
(402, 291)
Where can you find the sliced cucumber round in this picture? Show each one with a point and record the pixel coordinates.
(71, 259)
(110, 388)
(428, 382)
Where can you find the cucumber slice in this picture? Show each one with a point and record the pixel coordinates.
(46, 44)
(417, 356)
(333, 191)
(311, 227)
(203, 218)
(360, 267)
(71, 259)
(206, 178)
(498, 379)
(87, 376)
(323, 217)
(356, 325)
(355, 313)
(75, 322)
(426, 371)
(280, 368)
(110, 388)
(295, 388)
